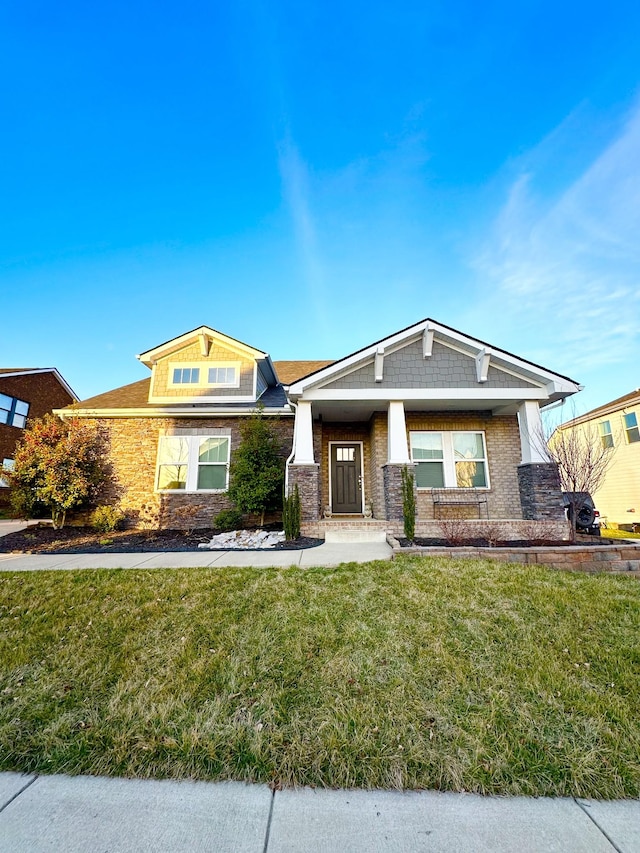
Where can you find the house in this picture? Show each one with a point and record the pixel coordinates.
(454, 410)
(26, 393)
(616, 426)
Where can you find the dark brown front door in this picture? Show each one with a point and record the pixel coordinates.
(346, 481)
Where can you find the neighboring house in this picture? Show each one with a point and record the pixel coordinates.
(26, 393)
(454, 410)
(616, 425)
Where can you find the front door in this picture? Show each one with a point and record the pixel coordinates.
(346, 478)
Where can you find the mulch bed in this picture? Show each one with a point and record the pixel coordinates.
(43, 539)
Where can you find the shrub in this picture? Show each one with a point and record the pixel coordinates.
(291, 515)
(408, 505)
(105, 519)
(228, 519)
(257, 469)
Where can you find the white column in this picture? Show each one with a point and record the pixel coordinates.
(398, 451)
(532, 439)
(304, 434)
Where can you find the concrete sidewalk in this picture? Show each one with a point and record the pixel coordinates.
(327, 554)
(84, 814)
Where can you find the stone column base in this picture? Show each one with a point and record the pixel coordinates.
(540, 491)
(307, 478)
(392, 479)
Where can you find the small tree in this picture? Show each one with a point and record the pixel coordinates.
(583, 459)
(291, 515)
(60, 464)
(257, 469)
(408, 505)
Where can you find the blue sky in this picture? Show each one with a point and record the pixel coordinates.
(312, 177)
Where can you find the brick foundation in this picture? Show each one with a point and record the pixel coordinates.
(307, 478)
(540, 492)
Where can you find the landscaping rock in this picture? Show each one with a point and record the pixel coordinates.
(244, 539)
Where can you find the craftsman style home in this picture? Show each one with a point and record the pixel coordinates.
(462, 415)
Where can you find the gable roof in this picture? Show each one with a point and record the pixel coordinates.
(473, 347)
(151, 355)
(6, 372)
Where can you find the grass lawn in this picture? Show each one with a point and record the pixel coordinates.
(420, 673)
(613, 533)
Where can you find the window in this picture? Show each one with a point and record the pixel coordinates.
(205, 374)
(7, 465)
(193, 463)
(631, 427)
(186, 375)
(606, 436)
(222, 376)
(13, 411)
(449, 460)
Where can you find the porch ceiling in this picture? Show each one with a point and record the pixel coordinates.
(361, 410)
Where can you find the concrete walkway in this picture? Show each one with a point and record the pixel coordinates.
(327, 554)
(83, 814)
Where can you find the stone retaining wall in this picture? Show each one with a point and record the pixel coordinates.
(617, 559)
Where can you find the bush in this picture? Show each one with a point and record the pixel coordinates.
(228, 519)
(106, 519)
(408, 505)
(291, 515)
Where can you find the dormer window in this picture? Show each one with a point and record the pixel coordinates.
(223, 376)
(186, 376)
(205, 374)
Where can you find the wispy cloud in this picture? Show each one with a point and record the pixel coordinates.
(564, 270)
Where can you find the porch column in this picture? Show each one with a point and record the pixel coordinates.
(397, 460)
(304, 472)
(532, 440)
(398, 450)
(538, 477)
(304, 434)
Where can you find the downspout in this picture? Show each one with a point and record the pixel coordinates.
(293, 450)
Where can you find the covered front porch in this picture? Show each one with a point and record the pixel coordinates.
(348, 460)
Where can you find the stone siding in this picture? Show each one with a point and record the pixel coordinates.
(392, 475)
(444, 368)
(540, 491)
(134, 452)
(307, 478)
(192, 353)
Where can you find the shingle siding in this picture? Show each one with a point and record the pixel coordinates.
(445, 368)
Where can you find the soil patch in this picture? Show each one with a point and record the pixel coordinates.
(43, 539)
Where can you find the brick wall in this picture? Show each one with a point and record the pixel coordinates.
(134, 449)
(42, 391)
(347, 433)
(503, 454)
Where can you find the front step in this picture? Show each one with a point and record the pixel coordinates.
(353, 530)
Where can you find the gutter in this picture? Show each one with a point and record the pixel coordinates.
(293, 450)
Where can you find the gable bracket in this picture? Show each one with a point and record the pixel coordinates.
(482, 364)
(204, 344)
(427, 341)
(379, 364)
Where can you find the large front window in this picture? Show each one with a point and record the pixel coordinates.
(194, 463)
(449, 460)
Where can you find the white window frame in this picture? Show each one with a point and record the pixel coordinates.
(203, 367)
(628, 429)
(448, 458)
(193, 463)
(606, 434)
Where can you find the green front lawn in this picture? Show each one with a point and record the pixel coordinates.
(420, 673)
